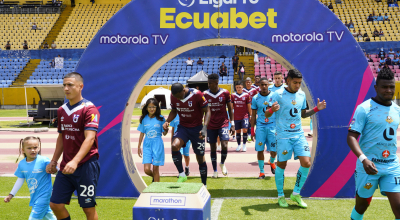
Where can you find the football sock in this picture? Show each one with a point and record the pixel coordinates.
(239, 138)
(214, 160)
(224, 154)
(67, 218)
(249, 131)
(272, 159)
(244, 138)
(301, 178)
(261, 165)
(279, 180)
(355, 215)
(203, 172)
(177, 158)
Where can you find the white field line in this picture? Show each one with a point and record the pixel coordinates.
(216, 208)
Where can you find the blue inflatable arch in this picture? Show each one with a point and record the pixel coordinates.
(300, 34)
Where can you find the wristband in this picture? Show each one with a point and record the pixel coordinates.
(252, 132)
(232, 123)
(270, 111)
(362, 157)
(316, 109)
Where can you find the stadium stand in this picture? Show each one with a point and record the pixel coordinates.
(358, 11)
(10, 69)
(44, 74)
(18, 27)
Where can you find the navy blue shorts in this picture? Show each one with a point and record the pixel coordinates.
(191, 134)
(83, 180)
(242, 124)
(212, 135)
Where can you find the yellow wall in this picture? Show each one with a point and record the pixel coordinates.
(16, 96)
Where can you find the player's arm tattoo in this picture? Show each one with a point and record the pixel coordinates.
(307, 113)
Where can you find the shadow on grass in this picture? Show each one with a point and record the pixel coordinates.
(266, 208)
(218, 193)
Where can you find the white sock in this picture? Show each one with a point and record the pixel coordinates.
(182, 174)
(186, 167)
(295, 193)
(244, 145)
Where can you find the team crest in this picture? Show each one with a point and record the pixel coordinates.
(177, 104)
(191, 103)
(221, 99)
(209, 100)
(389, 119)
(265, 103)
(284, 152)
(260, 143)
(294, 102)
(353, 121)
(292, 126)
(75, 119)
(368, 186)
(243, 98)
(386, 154)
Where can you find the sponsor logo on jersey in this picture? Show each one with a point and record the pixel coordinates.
(353, 121)
(75, 119)
(388, 134)
(284, 152)
(270, 99)
(292, 126)
(368, 186)
(266, 119)
(191, 103)
(88, 200)
(204, 99)
(94, 118)
(62, 118)
(37, 171)
(389, 119)
(294, 102)
(385, 154)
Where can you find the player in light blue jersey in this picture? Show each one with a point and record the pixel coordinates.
(377, 121)
(32, 169)
(265, 127)
(184, 150)
(290, 106)
(151, 125)
(278, 82)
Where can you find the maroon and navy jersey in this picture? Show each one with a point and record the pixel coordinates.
(190, 109)
(252, 92)
(256, 87)
(217, 103)
(240, 102)
(72, 123)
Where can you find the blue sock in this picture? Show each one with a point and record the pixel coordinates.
(279, 180)
(301, 178)
(272, 159)
(214, 160)
(261, 165)
(238, 138)
(244, 138)
(355, 215)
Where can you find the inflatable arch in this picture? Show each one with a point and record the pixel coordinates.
(301, 34)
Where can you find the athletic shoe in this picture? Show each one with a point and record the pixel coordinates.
(233, 139)
(219, 148)
(182, 179)
(262, 176)
(239, 148)
(297, 198)
(187, 172)
(244, 148)
(223, 168)
(215, 175)
(249, 139)
(282, 202)
(273, 167)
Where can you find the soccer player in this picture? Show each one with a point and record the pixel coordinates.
(256, 84)
(242, 110)
(218, 99)
(77, 142)
(191, 106)
(185, 151)
(290, 106)
(278, 82)
(252, 91)
(377, 121)
(265, 127)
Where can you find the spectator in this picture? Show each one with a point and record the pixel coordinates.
(1, 2)
(235, 61)
(351, 24)
(375, 17)
(242, 71)
(386, 17)
(52, 63)
(380, 17)
(398, 53)
(391, 53)
(378, 69)
(200, 62)
(366, 37)
(385, 66)
(189, 62)
(223, 70)
(347, 25)
(369, 59)
(359, 34)
(330, 6)
(267, 60)
(382, 61)
(382, 53)
(388, 61)
(45, 45)
(395, 60)
(8, 46)
(376, 33)
(53, 45)
(381, 33)
(222, 56)
(25, 45)
(370, 18)
(256, 60)
(354, 33)
(34, 26)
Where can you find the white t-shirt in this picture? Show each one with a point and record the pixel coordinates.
(256, 58)
(189, 62)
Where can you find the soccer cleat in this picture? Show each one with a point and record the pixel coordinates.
(187, 172)
(282, 202)
(249, 139)
(239, 148)
(262, 176)
(182, 179)
(215, 175)
(244, 148)
(273, 167)
(223, 168)
(297, 198)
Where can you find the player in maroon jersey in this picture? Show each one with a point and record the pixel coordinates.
(191, 106)
(256, 84)
(77, 142)
(218, 99)
(242, 110)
